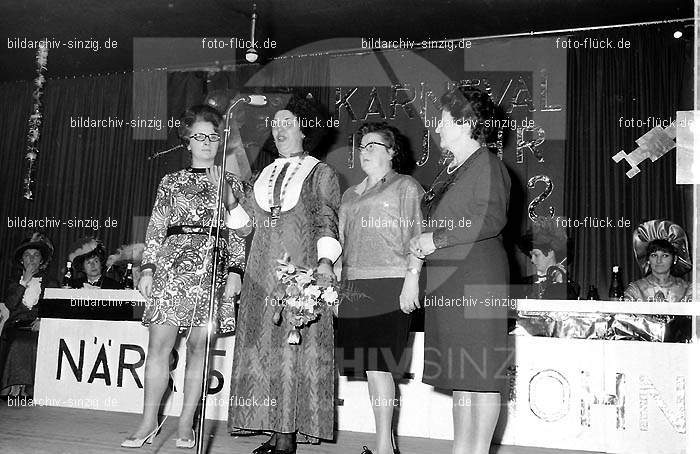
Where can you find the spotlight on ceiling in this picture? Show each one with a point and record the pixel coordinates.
(677, 34)
(251, 55)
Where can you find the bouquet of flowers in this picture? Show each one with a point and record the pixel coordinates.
(302, 294)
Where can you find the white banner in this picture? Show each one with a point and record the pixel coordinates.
(609, 396)
(100, 365)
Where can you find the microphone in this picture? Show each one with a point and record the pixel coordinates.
(155, 155)
(254, 100)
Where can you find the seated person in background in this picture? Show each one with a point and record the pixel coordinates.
(19, 336)
(661, 250)
(127, 254)
(545, 244)
(89, 258)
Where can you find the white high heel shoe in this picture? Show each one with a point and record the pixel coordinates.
(187, 443)
(138, 442)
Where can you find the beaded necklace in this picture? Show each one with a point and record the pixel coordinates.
(275, 209)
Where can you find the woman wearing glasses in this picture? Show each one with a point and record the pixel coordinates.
(176, 273)
(378, 218)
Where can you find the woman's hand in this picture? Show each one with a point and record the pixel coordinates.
(214, 174)
(29, 272)
(35, 325)
(422, 245)
(233, 286)
(325, 274)
(409, 294)
(146, 283)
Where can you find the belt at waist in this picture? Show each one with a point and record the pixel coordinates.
(192, 230)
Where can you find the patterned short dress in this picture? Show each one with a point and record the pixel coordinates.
(182, 262)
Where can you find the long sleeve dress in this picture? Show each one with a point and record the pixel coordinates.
(276, 386)
(180, 294)
(18, 342)
(467, 293)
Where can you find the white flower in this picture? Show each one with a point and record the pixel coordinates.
(329, 295)
(32, 293)
(313, 291)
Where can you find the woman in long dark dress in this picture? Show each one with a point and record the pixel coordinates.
(294, 209)
(176, 274)
(467, 288)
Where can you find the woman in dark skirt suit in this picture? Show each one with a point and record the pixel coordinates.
(467, 271)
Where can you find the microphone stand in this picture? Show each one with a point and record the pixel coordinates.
(212, 302)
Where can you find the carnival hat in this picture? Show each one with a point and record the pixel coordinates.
(546, 234)
(37, 241)
(128, 253)
(661, 230)
(85, 248)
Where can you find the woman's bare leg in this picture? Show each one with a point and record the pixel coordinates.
(196, 344)
(161, 339)
(475, 416)
(382, 391)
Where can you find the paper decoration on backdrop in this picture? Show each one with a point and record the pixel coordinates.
(35, 121)
(652, 145)
(425, 147)
(549, 186)
(536, 138)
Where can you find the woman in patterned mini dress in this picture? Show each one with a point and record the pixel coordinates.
(177, 267)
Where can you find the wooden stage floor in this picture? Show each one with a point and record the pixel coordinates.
(67, 430)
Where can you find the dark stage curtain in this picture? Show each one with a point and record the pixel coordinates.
(604, 86)
(84, 174)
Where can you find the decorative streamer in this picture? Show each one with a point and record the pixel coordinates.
(540, 198)
(426, 149)
(35, 121)
(351, 151)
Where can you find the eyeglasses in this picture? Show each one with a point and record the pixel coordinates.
(199, 137)
(370, 145)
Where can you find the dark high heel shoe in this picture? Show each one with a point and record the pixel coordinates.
(264, 448)
(365, 450)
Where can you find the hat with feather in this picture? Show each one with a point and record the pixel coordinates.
(546, 235)
(128, 253)
(86, 248)
(37, 241)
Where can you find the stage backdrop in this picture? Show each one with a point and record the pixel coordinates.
(525, 77)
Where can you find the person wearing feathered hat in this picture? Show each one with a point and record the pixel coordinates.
(88, 257)
(545, 244)
(20, 333)
(125, 255)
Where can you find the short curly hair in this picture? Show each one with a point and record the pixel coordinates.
(309, 113)
(197, 113)
(391, 136)
(468, 104)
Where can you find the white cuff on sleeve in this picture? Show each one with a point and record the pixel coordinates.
(329, 248)
(237, 218)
